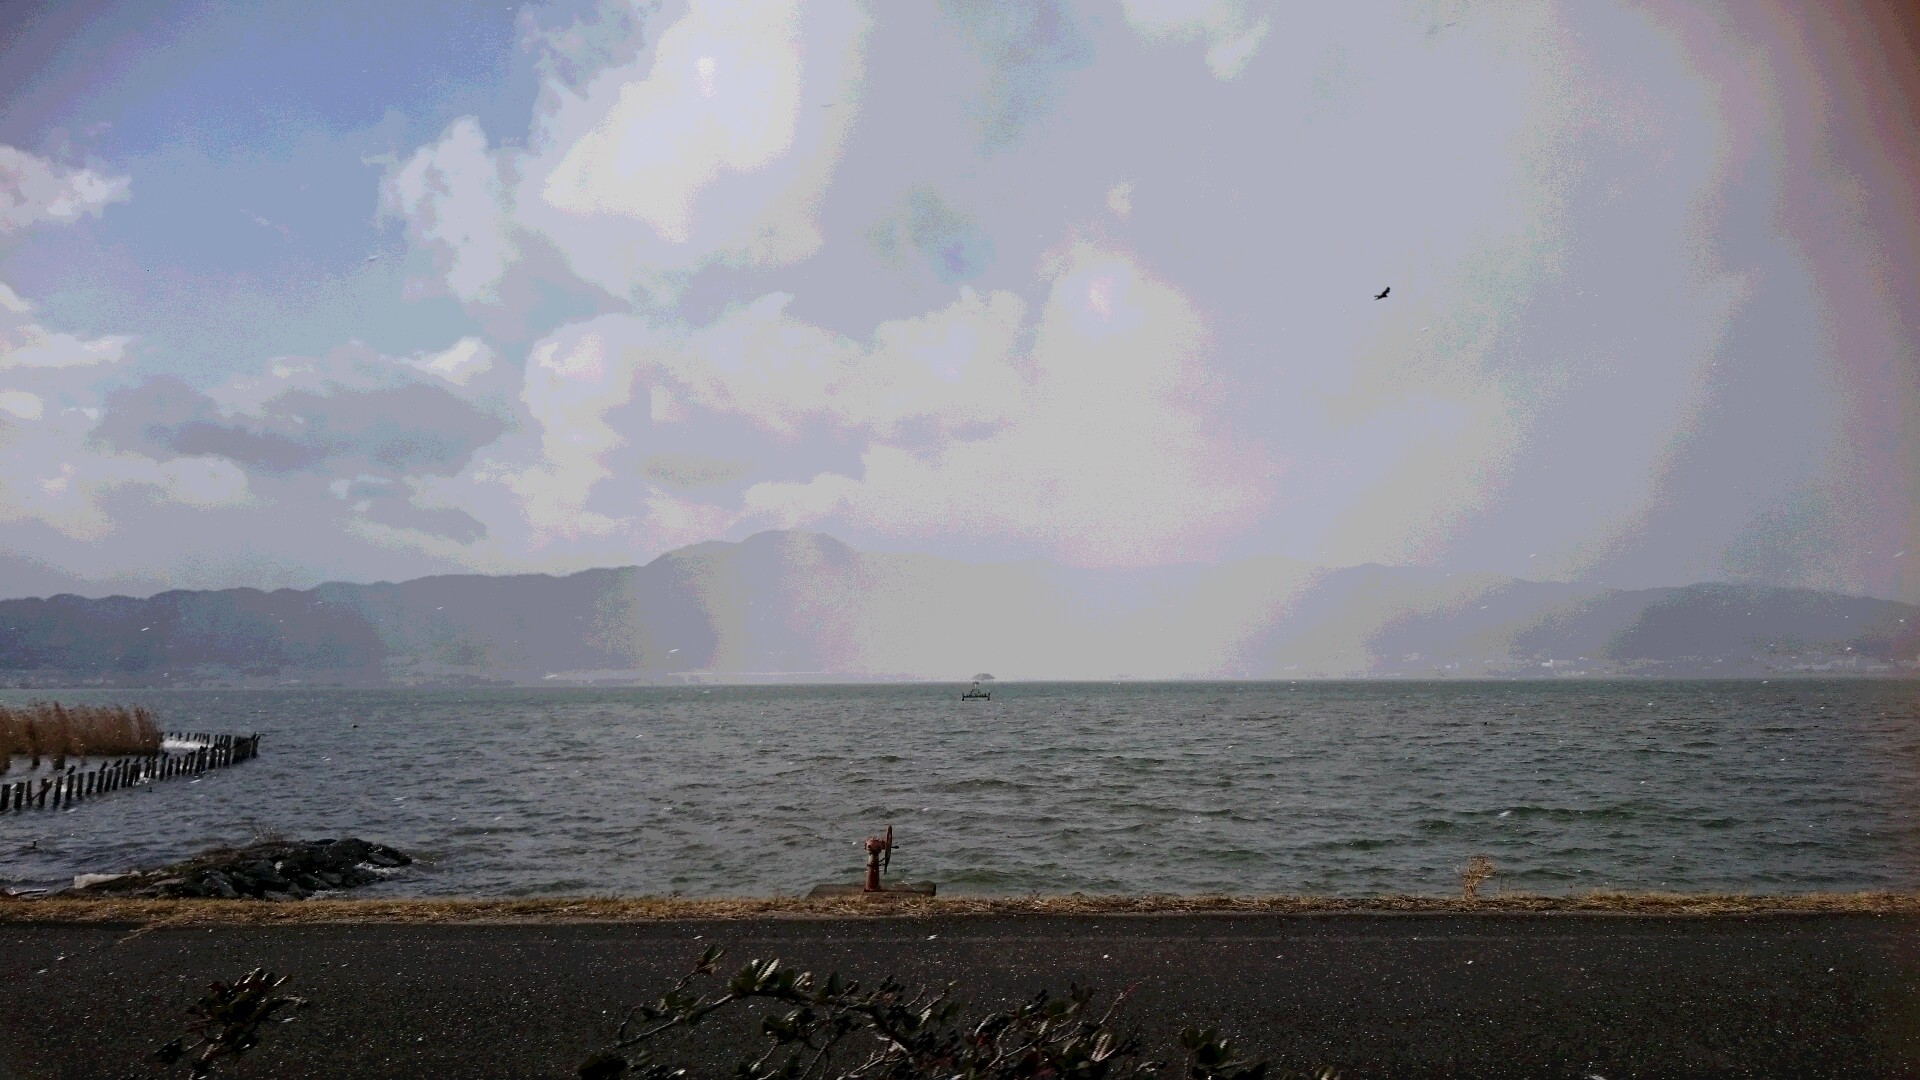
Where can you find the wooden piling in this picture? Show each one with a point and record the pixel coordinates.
(75, 783)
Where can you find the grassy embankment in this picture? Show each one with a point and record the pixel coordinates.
(156, 913)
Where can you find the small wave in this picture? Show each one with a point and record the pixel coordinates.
(978, 783)
(1614, 812)
(1360, 843)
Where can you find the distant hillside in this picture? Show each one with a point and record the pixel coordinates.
(798, 606)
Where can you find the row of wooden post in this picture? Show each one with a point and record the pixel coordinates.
(73, 785)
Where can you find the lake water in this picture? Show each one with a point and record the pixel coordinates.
(1335, 788)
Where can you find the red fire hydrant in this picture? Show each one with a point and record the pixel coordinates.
(879, 857)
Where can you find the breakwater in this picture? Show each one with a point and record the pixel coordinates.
(69, 785)
(268, 870)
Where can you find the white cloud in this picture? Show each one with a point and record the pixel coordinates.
(459, 363)
(709, 145)
(21, 404)
(454, 200)
(1099, 442)
(1232, 32)
(354, 368)
(573, 379)
(948, 368)
(34, 189)
(785, 377)
(1103, 448)
(25, 343)
(712, 146)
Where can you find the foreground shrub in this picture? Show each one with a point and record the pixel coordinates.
(227, 1022)
(889, 1033)
(892, 1034)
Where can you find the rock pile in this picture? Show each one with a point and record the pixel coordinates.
(273, 870)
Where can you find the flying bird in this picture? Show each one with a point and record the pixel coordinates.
(1382, 294)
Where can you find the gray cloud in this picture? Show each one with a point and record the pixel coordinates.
(383, 502)
(408, 429)
(1023, 44)
(686, 471)
(951, 242)
(456, 525)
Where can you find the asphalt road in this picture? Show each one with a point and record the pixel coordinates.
(1395, 995)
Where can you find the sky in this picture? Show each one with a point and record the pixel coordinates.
(365, 291)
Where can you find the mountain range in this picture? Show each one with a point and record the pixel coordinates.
(797, 606)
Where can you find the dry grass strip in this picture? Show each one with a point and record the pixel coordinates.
(158, 913)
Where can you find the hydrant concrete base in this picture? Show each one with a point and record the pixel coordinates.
(904, 888)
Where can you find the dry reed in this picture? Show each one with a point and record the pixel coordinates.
(1477, 871)
(51, 730)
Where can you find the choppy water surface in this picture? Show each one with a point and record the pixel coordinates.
(1349, 788)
